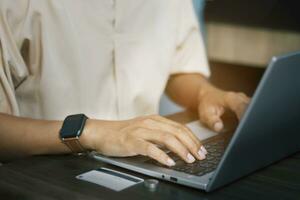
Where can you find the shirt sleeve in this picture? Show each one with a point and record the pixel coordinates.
(13, 70)
(190, 55)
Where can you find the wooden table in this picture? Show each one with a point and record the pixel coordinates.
(53, 177)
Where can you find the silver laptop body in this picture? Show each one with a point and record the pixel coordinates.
(268, 132)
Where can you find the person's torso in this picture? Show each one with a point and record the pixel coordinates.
(109, 59)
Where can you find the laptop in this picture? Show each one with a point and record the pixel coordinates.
(269, 131)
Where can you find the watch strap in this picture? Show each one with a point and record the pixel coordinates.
(74, 145)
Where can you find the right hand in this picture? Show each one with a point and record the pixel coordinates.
(140, 136)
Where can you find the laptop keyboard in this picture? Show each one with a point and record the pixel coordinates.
(215, 151)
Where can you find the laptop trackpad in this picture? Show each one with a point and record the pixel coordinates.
(200, 130)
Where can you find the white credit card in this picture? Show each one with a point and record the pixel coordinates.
(111, 179)
(200, 130)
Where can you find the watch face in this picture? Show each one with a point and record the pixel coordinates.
(73, 126)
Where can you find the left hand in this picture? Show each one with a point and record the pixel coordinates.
(214, 102)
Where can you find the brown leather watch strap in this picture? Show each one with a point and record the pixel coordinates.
(74, 145)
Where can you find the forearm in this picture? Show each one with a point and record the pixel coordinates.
(23, 136)
(138, 136)
(186, 89)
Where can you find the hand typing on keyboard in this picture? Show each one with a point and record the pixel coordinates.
(141, 136)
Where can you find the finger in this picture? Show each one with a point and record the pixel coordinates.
(180, 134)
(237, 102)
(211, 116)
(184, 128)
(170, 141)
(148, 149)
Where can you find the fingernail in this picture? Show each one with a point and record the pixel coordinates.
(201, 154)
(170, 162)
(190, 158)
(218, 126)
(203, 149)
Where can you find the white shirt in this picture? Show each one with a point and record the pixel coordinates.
(109, 59)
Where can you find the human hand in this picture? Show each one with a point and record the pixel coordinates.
(213, 102)
(140, 136)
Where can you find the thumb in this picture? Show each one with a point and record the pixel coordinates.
(210, 115)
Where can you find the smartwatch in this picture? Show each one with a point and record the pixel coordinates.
(71, 130)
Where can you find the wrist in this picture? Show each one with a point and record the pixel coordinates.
(87, 137)
(204, 89)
